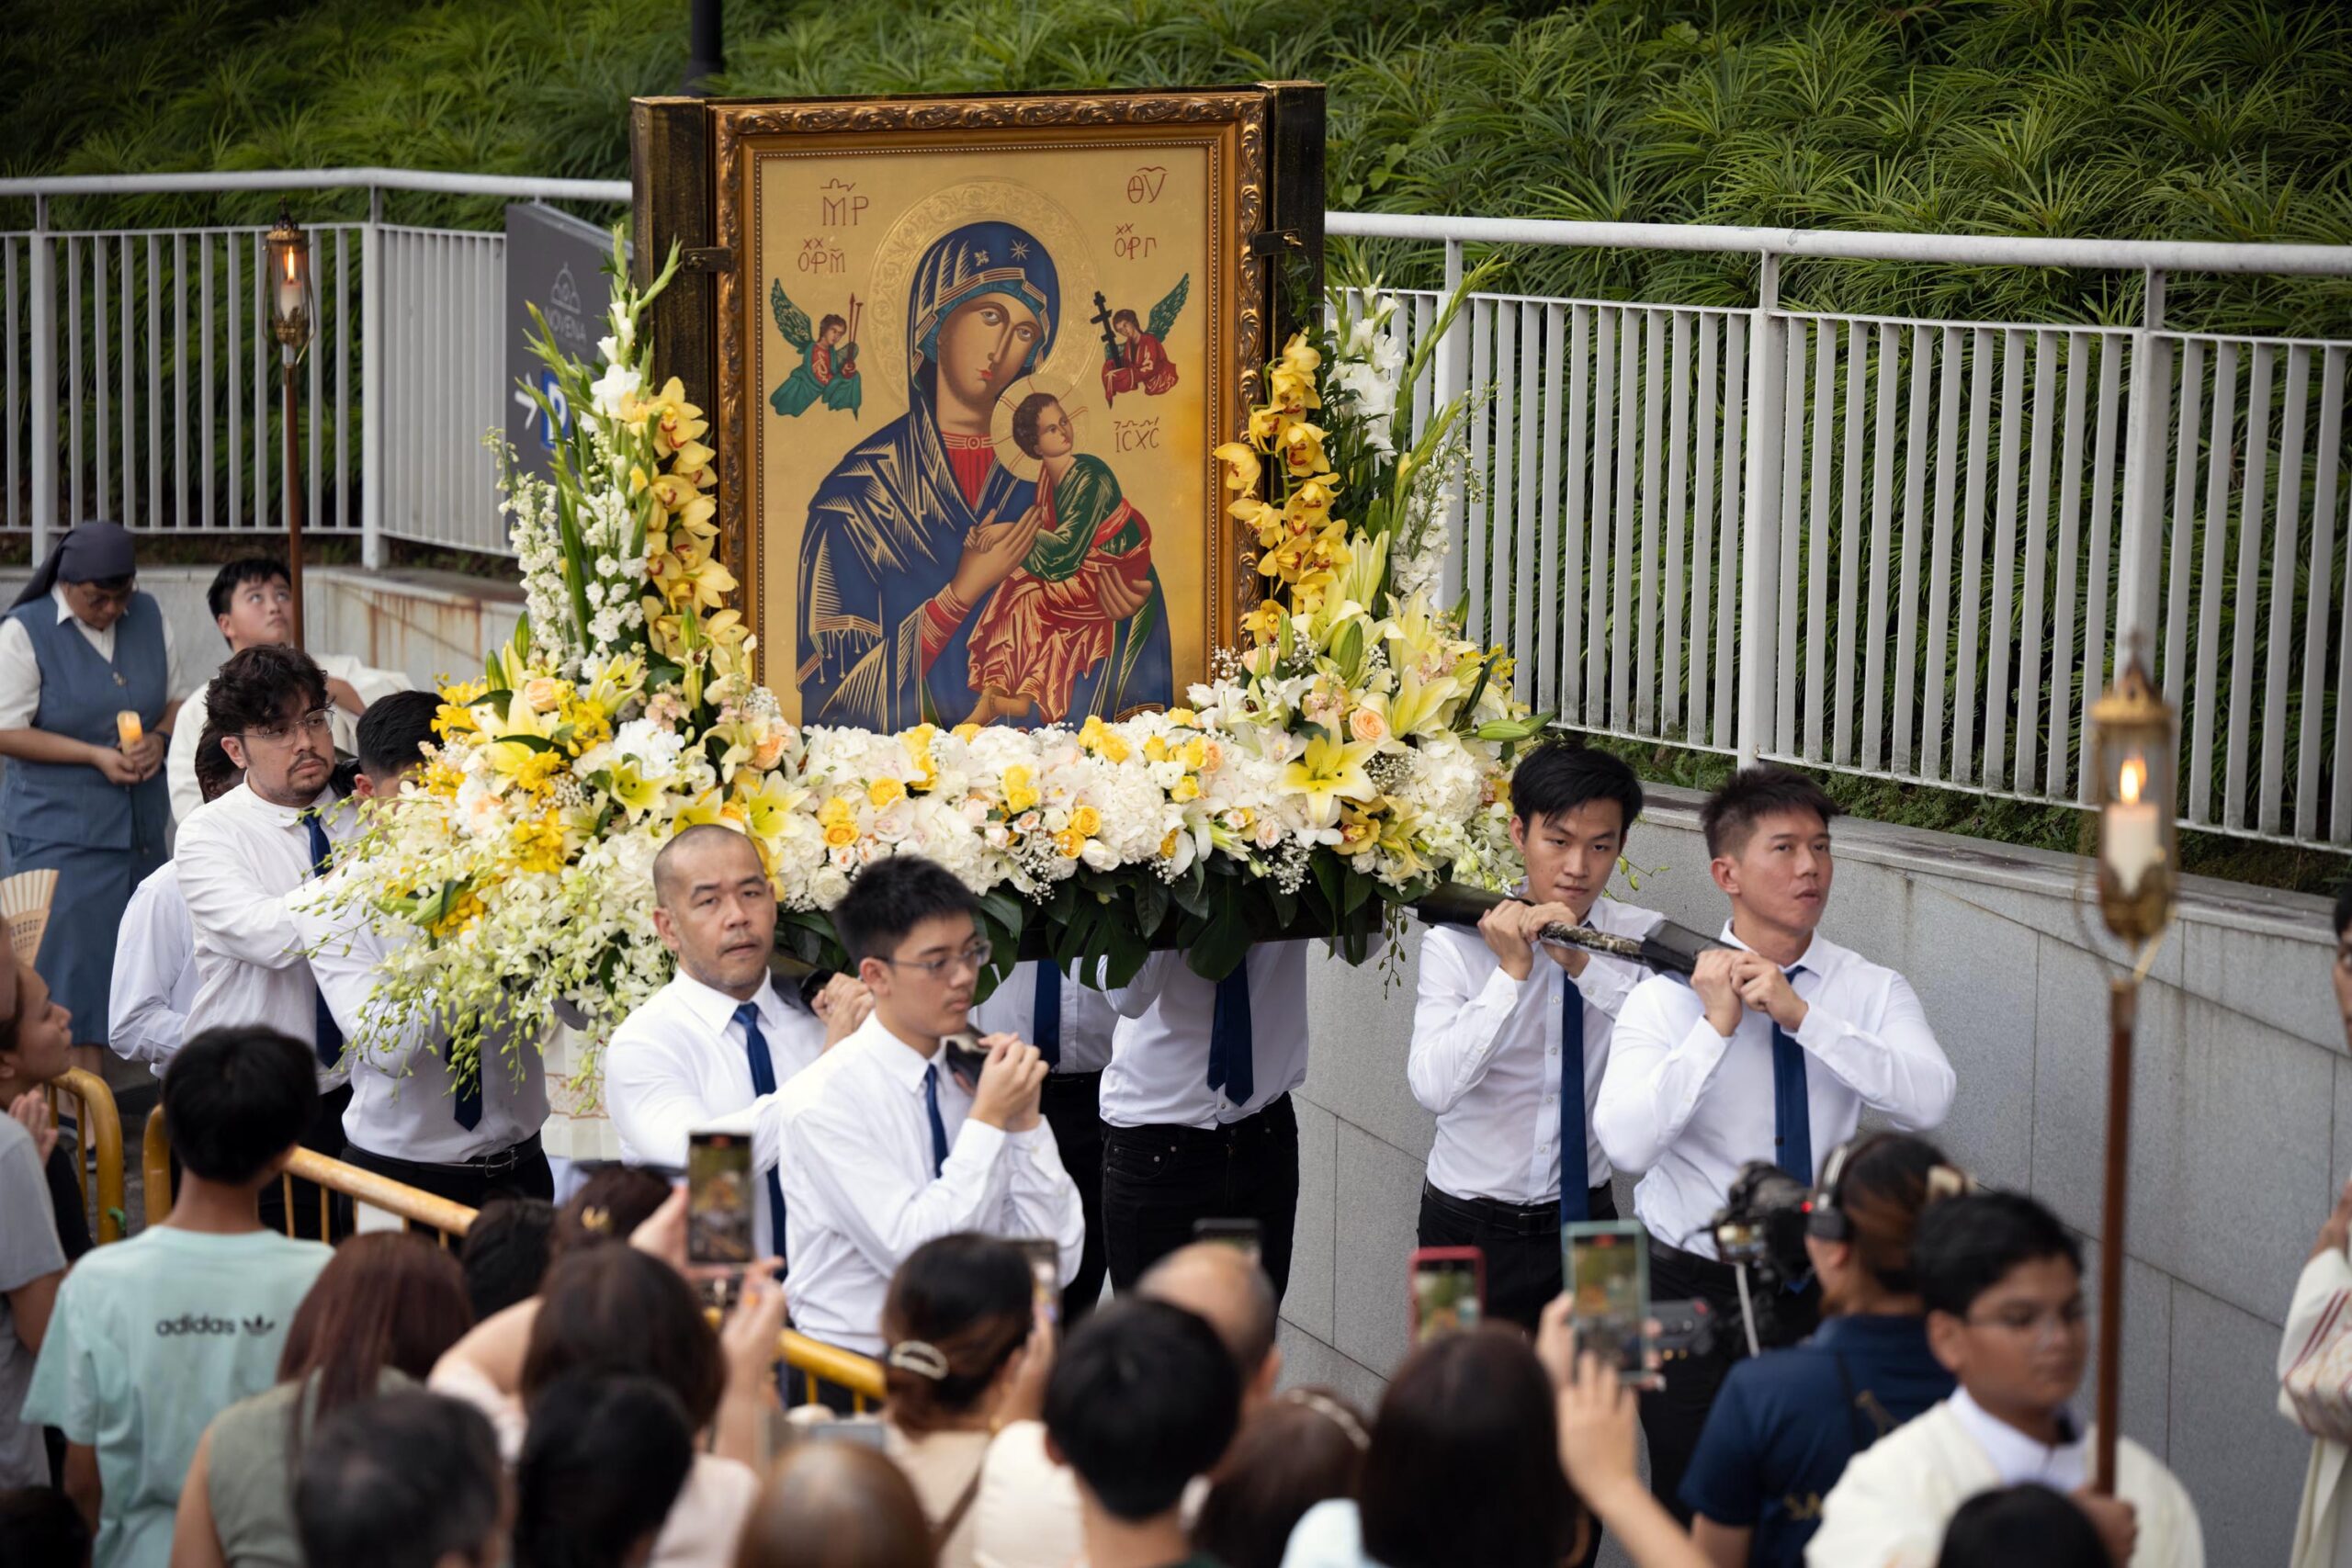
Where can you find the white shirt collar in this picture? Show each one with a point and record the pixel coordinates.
(895, 1057)
(1817, 958)
(64, 608)
(271, 812)
(715, 1009)
(2019, 1456)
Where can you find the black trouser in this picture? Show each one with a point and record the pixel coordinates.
(1072, 1103)
(325, 1137)
(1521, 1242)
(1159, 1181)
(519, 1171)
(1672, 1417)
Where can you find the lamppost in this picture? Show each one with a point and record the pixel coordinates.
(289, 322)
(2135, 747)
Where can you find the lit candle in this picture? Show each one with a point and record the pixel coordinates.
(289, 282)
(2131, 839)
(127, 729)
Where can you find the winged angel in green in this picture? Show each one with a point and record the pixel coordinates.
(828, 372)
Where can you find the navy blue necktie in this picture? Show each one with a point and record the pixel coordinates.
(1232, 1046)
(1045, 1016)
(468, 1106)
(938, 1127)
(1576, 1197)
(1791, 1109)
(328, 1037)
(756, 1048)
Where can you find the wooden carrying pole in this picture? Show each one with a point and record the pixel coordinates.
(2123, 1000)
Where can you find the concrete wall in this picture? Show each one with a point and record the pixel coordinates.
(2242, 1125)
(425, 623)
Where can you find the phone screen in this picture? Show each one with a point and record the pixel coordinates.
(1609, 1286)
(1449, 1296)
(718, 1197)
(1243, 1236)
(1044, 1274)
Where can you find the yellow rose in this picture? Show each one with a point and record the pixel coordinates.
(838, 811)
(1072, 842)
(966, 732)
(1187, 788)
(1020, 791)
(839, 835)
(1155, 749)
(883, 790)
(1086, 822)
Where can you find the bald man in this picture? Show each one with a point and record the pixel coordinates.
(708, 1051)
(1224, 1285)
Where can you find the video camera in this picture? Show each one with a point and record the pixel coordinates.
(1761, 1230)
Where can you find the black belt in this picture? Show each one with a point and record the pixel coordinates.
(1494, 1214)
(1715, 1279)
(1267, 1120)
(499, 1162)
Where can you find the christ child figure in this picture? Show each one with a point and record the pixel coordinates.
(1089, 568)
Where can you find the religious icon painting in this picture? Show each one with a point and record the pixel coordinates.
(973, 356)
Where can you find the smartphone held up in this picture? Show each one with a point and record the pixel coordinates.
(719, 1199)
(1449, 1291)
(1607, 1266)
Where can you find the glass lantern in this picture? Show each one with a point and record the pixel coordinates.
(289, 283)
(2135, 755)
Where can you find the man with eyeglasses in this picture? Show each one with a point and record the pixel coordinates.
(252, 601)
(241, 857)
(2003, 1284)
(891, 1141)
(708, 1051)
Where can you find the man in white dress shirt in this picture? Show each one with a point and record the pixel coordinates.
(252, 600)
(887, 1144)
(1070, 1023)
(1196, 1110)
(709, 1049)
(240, 859)
(1510, 1037)
(154, 953)
(1770, 1052)
(407, 1120)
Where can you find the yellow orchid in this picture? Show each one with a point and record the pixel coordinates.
(1302, 450)
(1242, 469)
(538, 843)
(1359, 831)
(692, 463)
(1330, 771)
(1264, 624)
(1267, 423)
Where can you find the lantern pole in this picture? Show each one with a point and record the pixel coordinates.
(289, 267)
(2135, 750)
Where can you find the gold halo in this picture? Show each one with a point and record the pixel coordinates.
(1006, 201)
(1008, 455)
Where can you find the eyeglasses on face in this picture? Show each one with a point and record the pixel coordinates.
(318, 721)
(975, 956)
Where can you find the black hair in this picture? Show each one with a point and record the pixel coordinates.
(1126, 316)
(973, 1299)
(1300, 1449)
(1465, 1463)
(1561, 776)
(235, 1098)
(1756, 793)
(1026, 415)
(1966, 1245)
(1143, 1397)
(1887, 1182)
(603, 1461)
(2026, 1523)
(2343, 909)
(262, 685)
(394, 731)
(506, 1251)
(399, 1481)
(39, 1524)
(829, 323)
(890, 898)
(215, 772)
(236, 574)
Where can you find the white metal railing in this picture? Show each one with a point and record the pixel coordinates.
(1903, 547)
(1912, 548)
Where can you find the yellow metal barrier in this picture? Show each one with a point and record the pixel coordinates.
(98, 1126)
(816, 1361)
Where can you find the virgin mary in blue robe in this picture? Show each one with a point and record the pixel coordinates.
(888, 525)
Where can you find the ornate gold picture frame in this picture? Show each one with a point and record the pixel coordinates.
(970, 360)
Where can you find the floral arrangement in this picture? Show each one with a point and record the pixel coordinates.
(1351, 754)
